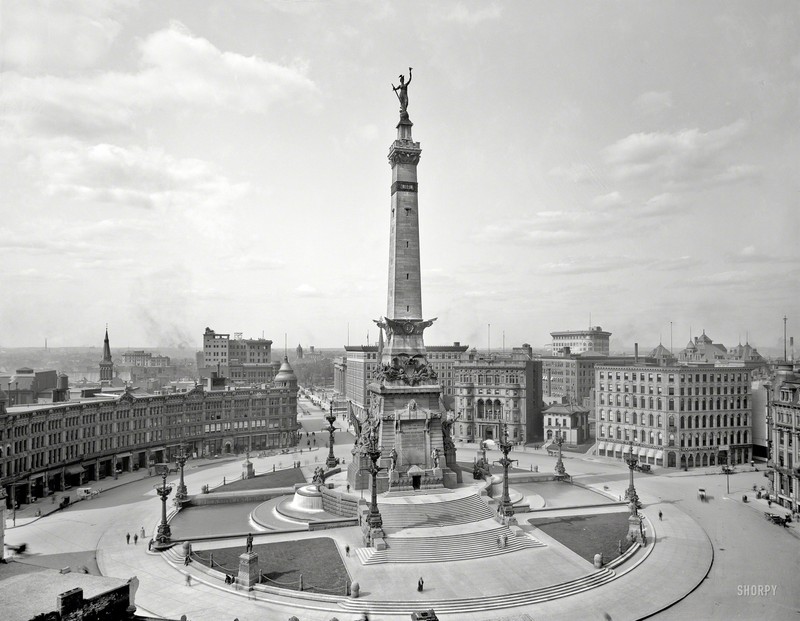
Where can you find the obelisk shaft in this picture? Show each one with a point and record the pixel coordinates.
(405, 283)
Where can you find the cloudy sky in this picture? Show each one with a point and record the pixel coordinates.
(167, 166)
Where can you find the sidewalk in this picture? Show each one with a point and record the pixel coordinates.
(43, 507)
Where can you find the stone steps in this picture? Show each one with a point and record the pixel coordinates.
(482, 604)
(426, 515)
(447, 548)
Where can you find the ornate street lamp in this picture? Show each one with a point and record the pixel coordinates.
(506, 509)
(164, 534)
(180, 458)
(632, 460)
(374, 518)
(331, 462)
(558, 440)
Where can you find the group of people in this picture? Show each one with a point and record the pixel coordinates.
(135, 536)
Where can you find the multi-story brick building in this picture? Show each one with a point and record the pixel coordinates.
(784, 420)
(591, 341)
(242, 361)
(572, 377)
(45, 447)
(675, 416)
(141, 358)
(496, 390)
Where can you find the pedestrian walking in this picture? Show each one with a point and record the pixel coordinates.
(135, 538)
(142, 535)
(420, 584)
(188, 580)
(347, 550)
(660, 515)
(128, 538)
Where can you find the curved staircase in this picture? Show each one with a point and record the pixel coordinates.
(479, 604)
(399, 515)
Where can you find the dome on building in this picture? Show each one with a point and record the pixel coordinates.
(285, 373)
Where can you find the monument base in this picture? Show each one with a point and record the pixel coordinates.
(249, 573)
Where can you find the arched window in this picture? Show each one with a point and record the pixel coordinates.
(697, 422)
(627, 400)
(683, 422)
(650, 402)
(659, 420)
(672, 405)
(651, 420)
(704, 439)
(745, 437)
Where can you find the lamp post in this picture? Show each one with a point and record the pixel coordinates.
(374, 518)
(180, 458)
(164, 534)
(632, 460)
(331, 418)
(558, 440)
(506, 509)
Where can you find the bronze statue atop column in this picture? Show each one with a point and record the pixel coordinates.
(402, 93)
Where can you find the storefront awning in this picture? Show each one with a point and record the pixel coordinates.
(121, 455)
(651, 452)
(642, 451)
(76, 469)
(158, 448)
(660, 455)
(601, 446)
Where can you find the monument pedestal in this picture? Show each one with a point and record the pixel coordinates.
(635, 534)
(248, 471)
(249, 573)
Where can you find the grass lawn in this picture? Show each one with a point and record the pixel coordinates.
(587, 535)
(280, 478)
(317, 560)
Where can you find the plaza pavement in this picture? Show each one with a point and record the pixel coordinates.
(749, 551)
(681, 551)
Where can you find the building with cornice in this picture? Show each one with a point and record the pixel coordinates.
(674, 416)
(45, 447)
(592, 341)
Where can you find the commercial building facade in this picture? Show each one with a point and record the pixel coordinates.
(242, 361)
(46, 447)
(496, 390)
(784, 416)
(591, 341)
(568, 420)
(675, 416)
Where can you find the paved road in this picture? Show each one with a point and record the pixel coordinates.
(749, 551)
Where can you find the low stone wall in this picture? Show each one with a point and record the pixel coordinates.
(328, 524)
(223, 498)
(336, 503)
(530, 477)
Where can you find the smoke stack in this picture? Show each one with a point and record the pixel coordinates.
(636, 353)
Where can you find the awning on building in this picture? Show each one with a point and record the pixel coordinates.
(642, 451)
(660, 455)
(38, 475)
(155, 449)
(601, 446)
(121, 455)
(74, 469)
(651, 452)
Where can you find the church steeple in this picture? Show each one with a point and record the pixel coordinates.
(106, 364)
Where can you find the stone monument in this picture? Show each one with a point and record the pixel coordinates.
(405, 405)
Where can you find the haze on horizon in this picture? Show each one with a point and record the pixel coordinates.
(165, 167)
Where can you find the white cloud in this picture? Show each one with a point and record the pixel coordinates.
(133, 177)
(305, 290)
(687, 156)
(612, 199)
(56, 36)
(176, 70)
